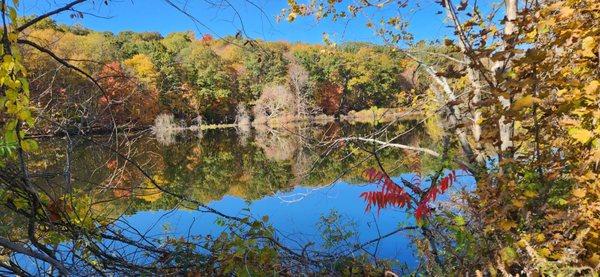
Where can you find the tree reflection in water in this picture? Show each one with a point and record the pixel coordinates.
(110, 180)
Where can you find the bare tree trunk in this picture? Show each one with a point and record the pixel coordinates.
(472, 154)
(507, 127)
(476, 125)
(455, 119)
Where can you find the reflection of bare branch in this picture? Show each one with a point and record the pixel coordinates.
(275, 145)
(394, 145)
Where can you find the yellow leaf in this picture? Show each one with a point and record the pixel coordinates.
(506, 225)
(540, 238)
(592, 88)
(588, 47)
(545, 252)
(292, 16)
(556, 256)
(532, 34)
(525, 102)
(24, 114)
(12, 36)
(594, 259)
(579, 193)
(530, 194)
(150, 193)
(566, 12)
(29, 145)
(518, 203)
(508, 254)
(580, 134)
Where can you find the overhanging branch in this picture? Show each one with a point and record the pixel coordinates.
(26, 251)
(61, 61)
(49, 14)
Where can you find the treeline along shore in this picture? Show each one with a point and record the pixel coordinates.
(129, 79)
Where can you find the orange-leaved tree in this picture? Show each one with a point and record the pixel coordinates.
(130, 101)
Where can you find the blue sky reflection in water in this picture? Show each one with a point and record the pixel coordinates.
(296, 215)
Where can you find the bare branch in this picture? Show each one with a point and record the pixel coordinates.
(48, 14)
(394, 145)
(26, 251)
(61, 61)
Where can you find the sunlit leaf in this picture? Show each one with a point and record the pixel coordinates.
(580, 134)
(588, 47)
(579, 193)
(525, 102)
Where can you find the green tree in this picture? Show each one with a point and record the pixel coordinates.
(264, 63)
(211, 80)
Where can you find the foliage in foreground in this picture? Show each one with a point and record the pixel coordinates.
(520, 96)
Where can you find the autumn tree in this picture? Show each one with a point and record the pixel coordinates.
(264, 63)
(298, 79)
(127, 98)
(519, 93)
(329, 72)
(143, 69)
(212, 82)
(353, 76)
(276, 103)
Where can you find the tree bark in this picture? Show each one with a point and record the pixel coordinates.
(506, 127)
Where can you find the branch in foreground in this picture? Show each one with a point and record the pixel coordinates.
(49, 14)
(26, 251)
(61, 61)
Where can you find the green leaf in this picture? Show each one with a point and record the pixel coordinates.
(29, 145)
(10, 137)
(508, 255)
(25, 84)
(459, 220)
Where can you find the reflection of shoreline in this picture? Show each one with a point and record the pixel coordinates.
(166, 129)
(223, 162)
(280, 173)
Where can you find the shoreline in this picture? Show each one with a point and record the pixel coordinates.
(350, 118)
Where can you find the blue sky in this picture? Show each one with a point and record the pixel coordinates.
(157, 15)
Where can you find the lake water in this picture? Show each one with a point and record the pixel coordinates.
(294, 176)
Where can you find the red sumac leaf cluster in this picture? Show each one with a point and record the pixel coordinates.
(393, 195)
(423, 209)
(390, 195)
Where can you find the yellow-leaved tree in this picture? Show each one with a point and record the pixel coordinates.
(520, 92)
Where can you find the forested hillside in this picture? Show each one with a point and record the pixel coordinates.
(144, 74)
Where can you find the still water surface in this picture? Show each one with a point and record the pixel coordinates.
(292, 176)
